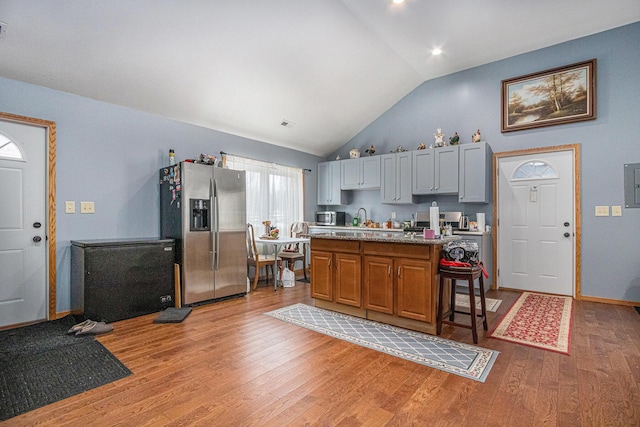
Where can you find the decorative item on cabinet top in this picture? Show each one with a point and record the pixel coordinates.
(354, 153)
(439, 136)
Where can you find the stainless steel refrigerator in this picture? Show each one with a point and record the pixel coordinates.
(203, 208)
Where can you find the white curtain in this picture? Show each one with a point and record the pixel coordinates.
(274, 193)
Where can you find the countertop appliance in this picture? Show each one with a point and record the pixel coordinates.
(331, 218)
(423, 221)
(464, 223)
(203, 208)
(115, 279)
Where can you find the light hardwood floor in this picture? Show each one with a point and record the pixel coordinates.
(229, 365)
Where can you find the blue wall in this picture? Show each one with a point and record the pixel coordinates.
(470, 99)
(111, 155)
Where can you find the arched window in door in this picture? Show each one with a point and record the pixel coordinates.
(534, 169)
(9, 149)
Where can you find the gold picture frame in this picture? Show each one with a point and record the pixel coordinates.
(552, 97)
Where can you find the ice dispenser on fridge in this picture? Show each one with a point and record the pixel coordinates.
(199, 214)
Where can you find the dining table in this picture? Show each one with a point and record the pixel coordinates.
(277, 246)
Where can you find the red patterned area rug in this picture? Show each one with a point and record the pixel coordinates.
(536, 320)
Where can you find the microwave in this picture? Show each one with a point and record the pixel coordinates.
(330, 218)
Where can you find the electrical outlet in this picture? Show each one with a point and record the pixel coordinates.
(70, 207)
(616, 210)
(602, 210)
(86, 207)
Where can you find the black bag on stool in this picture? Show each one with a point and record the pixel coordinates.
(461, 251)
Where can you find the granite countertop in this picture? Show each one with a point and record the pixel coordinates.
(352, 229)
(383, 237)
(470, 233)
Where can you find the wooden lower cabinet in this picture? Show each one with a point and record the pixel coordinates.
(399, 286)
(388, 282)
(414, 289)
(378, 284)
(347, 278)
(337, 276)
(321, 281)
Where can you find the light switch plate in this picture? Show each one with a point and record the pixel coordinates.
(70, 207)
(602, 210)
(86, 207)
(616, 210)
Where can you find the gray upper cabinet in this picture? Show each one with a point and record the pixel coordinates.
(361, 173)
(475, 176)
(396, 182)
(329, 192)
(435, 170)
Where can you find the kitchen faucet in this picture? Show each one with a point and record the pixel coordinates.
(365, 216)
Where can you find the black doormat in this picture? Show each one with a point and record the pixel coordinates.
(41, 364)
(173, 315)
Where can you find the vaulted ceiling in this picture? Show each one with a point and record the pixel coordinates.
(327, 68)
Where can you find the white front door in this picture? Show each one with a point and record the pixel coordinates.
(23, 223)
(536, 222)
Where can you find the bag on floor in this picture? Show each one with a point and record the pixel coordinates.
(288, 278)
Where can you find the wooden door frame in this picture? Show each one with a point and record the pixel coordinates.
(51, 199)
(575, 149)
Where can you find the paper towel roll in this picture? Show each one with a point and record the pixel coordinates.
(480, 221)
(434, 219)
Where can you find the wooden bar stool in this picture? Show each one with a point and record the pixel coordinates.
(469, 274)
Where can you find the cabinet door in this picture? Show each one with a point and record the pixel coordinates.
(321, 278)
(329, 192)
(403, 178)
(388, 184)
(475, 176)
(378, 284)
(348, 288)
(350, 174)
(370, 172)
(423, 173)
(336, 195)
(414, 289)
(324, 182)
(446, 170)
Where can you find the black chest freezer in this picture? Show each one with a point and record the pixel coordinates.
(115, 279)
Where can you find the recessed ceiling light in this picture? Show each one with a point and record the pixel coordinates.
(398, 1)
(436, 51)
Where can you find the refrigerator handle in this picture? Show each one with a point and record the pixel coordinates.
(216, 224)
(212, 220)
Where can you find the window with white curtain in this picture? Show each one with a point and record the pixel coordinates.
(274, 193)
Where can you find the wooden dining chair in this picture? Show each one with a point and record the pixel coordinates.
(257, 260)
(296, 252)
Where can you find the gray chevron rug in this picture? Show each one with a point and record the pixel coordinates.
(457, 358)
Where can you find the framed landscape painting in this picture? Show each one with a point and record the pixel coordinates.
(552, 97)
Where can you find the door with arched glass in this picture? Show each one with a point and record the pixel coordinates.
(23, 223)
(536, 222)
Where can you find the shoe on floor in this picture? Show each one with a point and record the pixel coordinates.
(77, 327)
(95, 328)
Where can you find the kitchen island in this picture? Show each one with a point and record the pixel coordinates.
(387, 277)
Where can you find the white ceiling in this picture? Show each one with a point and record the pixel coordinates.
(243, 66)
